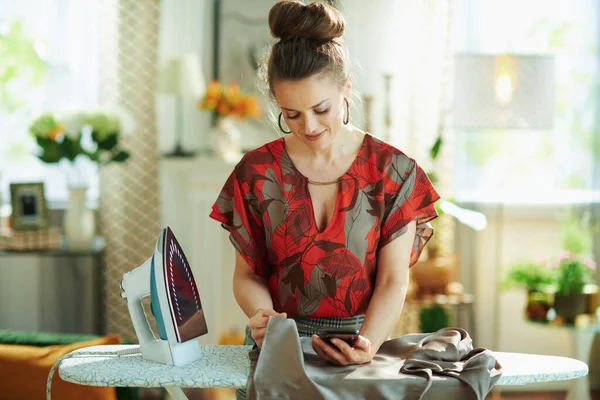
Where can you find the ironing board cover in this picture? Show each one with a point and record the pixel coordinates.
(266, 206)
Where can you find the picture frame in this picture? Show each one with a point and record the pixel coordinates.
(29, 209)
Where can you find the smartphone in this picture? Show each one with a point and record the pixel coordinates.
(349, 336)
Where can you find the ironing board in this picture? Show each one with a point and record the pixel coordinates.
(227, 367)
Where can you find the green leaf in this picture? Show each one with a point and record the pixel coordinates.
(49, 158)
(435, 149)
(72, 148)
(121, 156)
(529, 274)
(94, 156)
(51, 151)
(108, 143)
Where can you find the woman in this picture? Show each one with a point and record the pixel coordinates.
(327, 219)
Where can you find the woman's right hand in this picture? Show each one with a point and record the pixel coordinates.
(258, 323)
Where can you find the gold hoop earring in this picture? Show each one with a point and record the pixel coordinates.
(347, 116)
(280, 127)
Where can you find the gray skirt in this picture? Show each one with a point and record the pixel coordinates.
(306, 328)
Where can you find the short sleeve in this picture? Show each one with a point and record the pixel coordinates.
(237, 210)
(409, 196)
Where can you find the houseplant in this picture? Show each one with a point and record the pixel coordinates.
(538, 279)
(229, 104)
(433, 318)
(76, 140)
(574, 268)
(573, 272)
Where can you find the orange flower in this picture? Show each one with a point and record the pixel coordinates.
(223, 109)
(213, 90)
(212, 103)
(53, 134)
(229, 100)
(252, 107)
(240, 109)
(232, 93)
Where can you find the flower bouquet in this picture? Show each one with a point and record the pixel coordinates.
(76, 141)
(228, 103)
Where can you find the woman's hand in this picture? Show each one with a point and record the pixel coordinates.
(341, 353)
(258, 324)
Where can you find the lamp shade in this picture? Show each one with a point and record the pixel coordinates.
(182, 76)
(503, 92)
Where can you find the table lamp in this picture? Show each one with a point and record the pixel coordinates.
(503, 92)
(181, 77)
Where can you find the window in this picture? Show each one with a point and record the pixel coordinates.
(534, 166)
(65, 37)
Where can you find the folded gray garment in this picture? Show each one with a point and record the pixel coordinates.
(415, 366)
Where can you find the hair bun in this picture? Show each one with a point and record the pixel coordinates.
(289, 19)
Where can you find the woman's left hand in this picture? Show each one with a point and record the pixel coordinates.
(341, 353)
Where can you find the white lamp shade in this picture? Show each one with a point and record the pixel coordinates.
(503, 92)
(182, 76)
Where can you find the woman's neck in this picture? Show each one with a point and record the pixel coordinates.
(343, 145)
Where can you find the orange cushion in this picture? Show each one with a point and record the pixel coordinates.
(24, 371)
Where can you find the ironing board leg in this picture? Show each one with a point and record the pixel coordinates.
(176, 393)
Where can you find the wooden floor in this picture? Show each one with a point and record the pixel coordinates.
(229, 394)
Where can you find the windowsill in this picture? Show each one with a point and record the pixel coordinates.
(53, 205)
(555, 198)
(92, 204)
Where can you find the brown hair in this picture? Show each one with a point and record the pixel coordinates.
(310, 42)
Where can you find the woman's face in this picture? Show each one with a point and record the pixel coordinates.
(313, 108)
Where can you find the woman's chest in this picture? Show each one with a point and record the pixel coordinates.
(323, 199)
(317, 220)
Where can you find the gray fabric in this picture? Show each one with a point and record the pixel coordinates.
(450, 352)
(306, 328)
(404, 368)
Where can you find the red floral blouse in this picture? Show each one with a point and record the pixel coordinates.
(266, 206)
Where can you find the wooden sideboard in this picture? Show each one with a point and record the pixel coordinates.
(52, 290)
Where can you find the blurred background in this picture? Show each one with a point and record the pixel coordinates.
(119, 117)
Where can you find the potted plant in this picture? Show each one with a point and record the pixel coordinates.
(574, 268)
(538, 279)
(433, 318)
(76, 140)
(573, 273)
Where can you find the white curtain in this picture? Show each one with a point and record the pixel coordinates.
(129, 193)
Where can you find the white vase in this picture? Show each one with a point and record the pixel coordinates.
(226, 140)
(78, 222)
